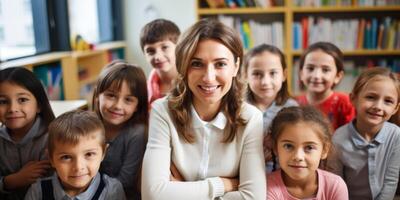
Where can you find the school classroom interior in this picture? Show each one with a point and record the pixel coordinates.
(67, 42)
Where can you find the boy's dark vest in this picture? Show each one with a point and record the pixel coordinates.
(47, 189)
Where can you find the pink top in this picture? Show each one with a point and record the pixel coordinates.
(153, 87)
(330, 187)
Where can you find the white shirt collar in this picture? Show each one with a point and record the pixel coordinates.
(219, 121)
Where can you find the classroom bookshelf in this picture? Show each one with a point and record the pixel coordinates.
(367, 31)
(71, 75)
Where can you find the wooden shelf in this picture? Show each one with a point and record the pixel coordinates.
(217, 11)
(363, 52)
(35, 60)
(345, 9)
(88, 80)
(111, 45)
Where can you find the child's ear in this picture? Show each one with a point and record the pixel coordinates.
(325, 151)
(338, 77)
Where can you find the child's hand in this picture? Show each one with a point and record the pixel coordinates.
(34, 170)
(175, 175)
(230, 184)
(27, 175)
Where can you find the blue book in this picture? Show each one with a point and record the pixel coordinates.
(374, 33)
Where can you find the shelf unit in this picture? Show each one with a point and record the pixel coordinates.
(72, 63)
(290, 13)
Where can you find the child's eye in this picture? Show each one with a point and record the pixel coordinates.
(257, 74)
(90, 154)
(196, 64)
(310, 68)
(164, 47)
(3, 101)
(288, 146)
(22, 100)
(130, 100)
(110, 95)
(150, 51)
(273, 73)
(309, 148)
(65, 158)
(389, 101)
(370, 97)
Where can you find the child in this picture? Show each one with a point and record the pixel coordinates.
(321, 69)
(76, 147)
(120, 100)
(368, 148)
(265, 70)
(301, 138)
(158, 40)
(25, 114)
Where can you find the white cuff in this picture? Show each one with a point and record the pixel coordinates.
(217, 187)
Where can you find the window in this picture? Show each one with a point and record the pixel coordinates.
(17, 40)
(1, 34)
(83, 19)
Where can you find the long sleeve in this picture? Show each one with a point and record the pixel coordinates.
(132, 158)
(156, 182)
(252, 176)
(392, 173)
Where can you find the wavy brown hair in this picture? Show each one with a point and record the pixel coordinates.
(180, 100)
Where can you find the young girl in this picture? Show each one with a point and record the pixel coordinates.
(265, 70)
(301, 137)
(25, 114)
(120, 100)
(321, 69)
(368, 148)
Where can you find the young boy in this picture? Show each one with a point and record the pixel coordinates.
(76, 147)
(158, 40)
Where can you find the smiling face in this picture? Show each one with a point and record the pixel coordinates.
(319, 73)
(300, 149)
(77, 164)
(18, 107)
(117, 106)
(210, 74)
(161, 55)
(375, 103)
(265, 76)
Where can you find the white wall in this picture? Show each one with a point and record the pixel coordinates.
(181, 12)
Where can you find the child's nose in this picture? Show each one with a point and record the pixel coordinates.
(13, 106)
(79, 164)
(299, 155)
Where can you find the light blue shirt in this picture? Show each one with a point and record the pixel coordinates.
(370, 169)
(112, 189)
(272, 111)
(268, 116)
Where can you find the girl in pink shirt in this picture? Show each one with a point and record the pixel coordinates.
(301, 137)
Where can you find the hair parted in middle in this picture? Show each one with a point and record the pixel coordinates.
(180, 100)
(296, 114)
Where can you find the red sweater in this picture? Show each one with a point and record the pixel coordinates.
(336, 107)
